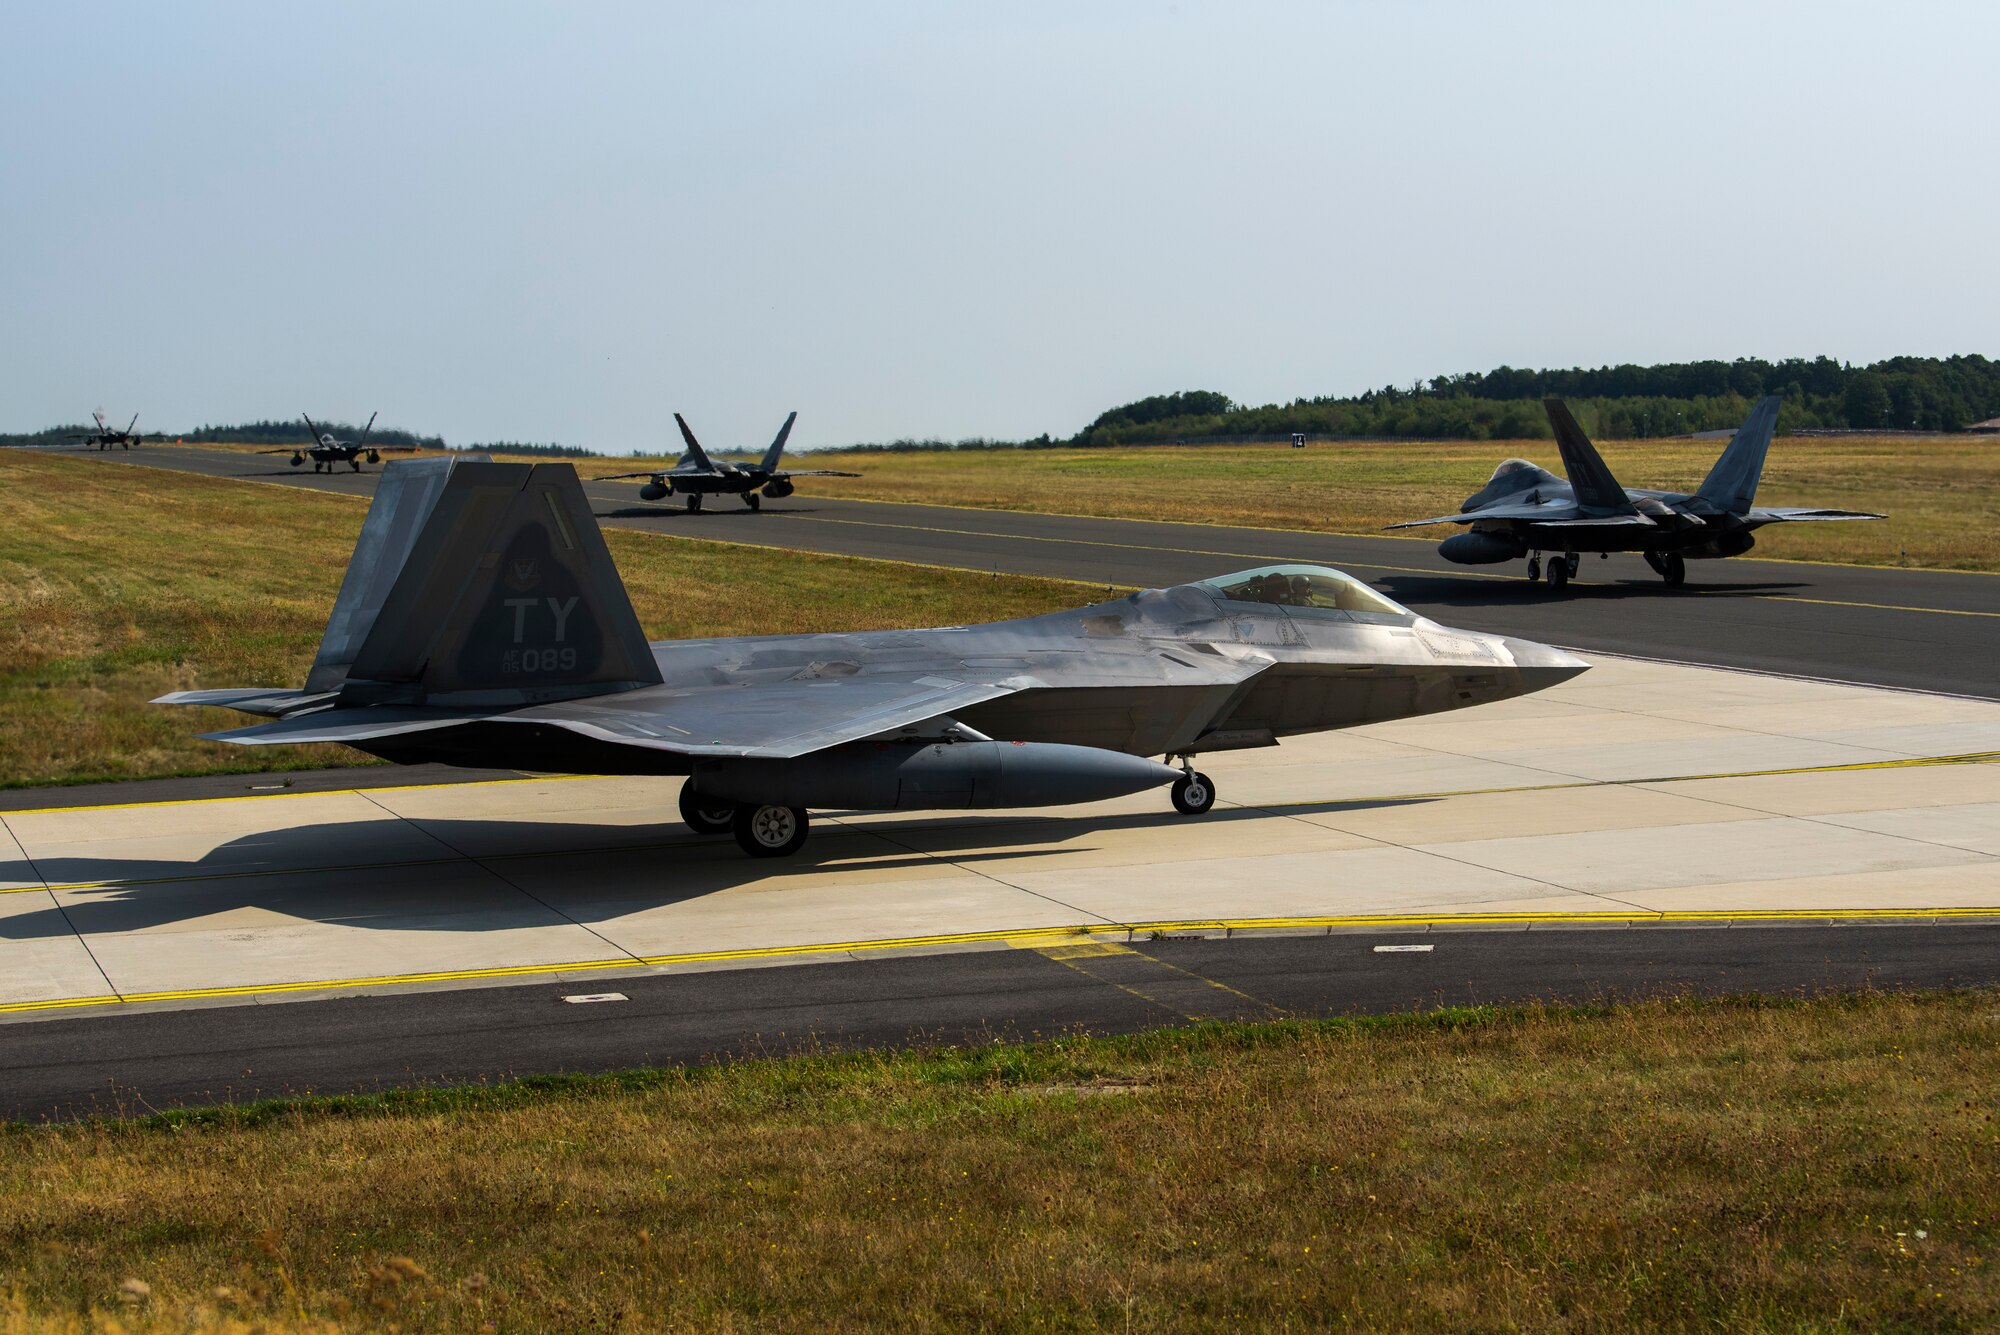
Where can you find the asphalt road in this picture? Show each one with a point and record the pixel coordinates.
(1923, 630)
(136, 1063)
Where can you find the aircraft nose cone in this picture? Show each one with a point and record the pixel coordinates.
(1542, 667)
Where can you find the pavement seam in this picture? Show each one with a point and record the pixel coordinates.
(56, 903)
(507, 881)
(976, 871)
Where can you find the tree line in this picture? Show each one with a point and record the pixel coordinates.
(1899, 394)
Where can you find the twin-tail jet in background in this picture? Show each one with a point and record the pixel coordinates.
(696, 475)
(326, 451)
(481, 622)
(107, 436)
(1527, 511)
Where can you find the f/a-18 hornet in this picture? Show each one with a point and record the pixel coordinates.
(1526, 511)
(695, 475)
(326, 451)
(482, 623)
(107, 436)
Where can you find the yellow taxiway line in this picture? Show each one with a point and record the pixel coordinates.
(1040, 938)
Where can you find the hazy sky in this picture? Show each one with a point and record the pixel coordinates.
(567, 221)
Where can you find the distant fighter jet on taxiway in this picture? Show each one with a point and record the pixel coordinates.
(696, 476)
(326, 451)
(482, 623)
(1526, 510)
(107, 436)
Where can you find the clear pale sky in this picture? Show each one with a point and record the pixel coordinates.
(564, 222)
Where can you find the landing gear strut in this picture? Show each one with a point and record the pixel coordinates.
(1193, 793)
(694, 503)
(1670, 566)
(751, 499)
(1562, 569)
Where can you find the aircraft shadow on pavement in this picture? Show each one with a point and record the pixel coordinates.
(539, 873)
(1443, 590)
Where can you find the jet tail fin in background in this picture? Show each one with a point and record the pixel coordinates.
(694, 449)
(1731, 486)
(1589, 477)
(480, 583)
(777, 450)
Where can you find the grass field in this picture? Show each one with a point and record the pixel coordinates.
(1824, 1166)
(1942, 495)
(112, 593)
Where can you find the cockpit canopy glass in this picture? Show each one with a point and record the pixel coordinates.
(1303, 586)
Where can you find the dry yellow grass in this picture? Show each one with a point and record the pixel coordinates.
(116, 587)
(1942, 495)
(1738, 1166)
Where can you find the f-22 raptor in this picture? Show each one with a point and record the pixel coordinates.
(107, 436)
(696, 475)
(482, 623)
(1525, 510)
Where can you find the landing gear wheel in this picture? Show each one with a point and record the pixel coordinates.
(770, 832)
(1670, 566)
(694, 503)
(752, 500)
(356, 463)
(1193, 794)
(1572, 561)
(705, 815)
(1534, 568)
(1558, 574)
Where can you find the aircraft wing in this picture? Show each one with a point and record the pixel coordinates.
(1540, 512)
(620, 477)
(1603, 521)
(814, 472)
(771, 719)
(1780, 514)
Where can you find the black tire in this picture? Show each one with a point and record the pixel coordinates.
(770, 832)
(694, 503)
(1558, 574)
(1193, 794)
(1534, 569)
(710, 816)
(356, 463)
(1676, 571)
(752, 500)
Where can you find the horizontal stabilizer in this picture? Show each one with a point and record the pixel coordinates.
(271, 702)
(1535, 512)
(1787, 515)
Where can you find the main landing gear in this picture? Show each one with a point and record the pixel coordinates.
(1562, 569)
(694, 504)
(761, 831)
(1670, 566)
(752, 499)
(1193, 792)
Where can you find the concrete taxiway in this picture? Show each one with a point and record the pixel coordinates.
(1932, 630)
(1639, 793)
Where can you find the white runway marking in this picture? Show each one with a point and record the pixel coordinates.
(1404, 950)
(586, 998)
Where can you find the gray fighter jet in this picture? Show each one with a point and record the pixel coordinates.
(482, 623)
(327, 450)
(1526, 511)
(695, 475)
(107, 436)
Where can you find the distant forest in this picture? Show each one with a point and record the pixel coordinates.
(1613, 402)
